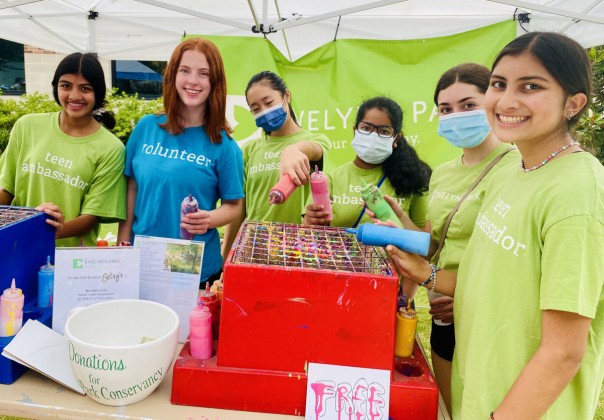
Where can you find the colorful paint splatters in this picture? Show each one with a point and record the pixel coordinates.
(296, 246)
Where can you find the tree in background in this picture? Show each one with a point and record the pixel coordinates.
(590, 129)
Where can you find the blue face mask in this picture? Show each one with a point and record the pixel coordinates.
(464, 129)
(271, 119)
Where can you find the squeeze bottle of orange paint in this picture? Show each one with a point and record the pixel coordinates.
(406, 324)
(11, 311)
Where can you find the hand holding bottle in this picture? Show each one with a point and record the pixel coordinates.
(197, 223)
(316, 215)
(295, 163)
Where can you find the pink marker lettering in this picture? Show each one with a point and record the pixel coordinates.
(375, 403)
(359, 399)
(343, 402)
(323, 390)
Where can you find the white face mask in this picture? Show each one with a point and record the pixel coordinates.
(372, 148)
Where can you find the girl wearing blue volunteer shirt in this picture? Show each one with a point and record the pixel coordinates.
(188, 150)
(529, 302)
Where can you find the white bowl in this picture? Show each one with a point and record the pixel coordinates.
(121, 350)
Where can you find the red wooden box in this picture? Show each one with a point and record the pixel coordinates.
(413, 391)
(295, 295)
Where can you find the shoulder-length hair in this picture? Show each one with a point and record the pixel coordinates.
(215, 117)
(88, 66)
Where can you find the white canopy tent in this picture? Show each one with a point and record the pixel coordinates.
(149, 29)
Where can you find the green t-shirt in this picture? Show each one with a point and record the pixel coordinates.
(345, 190)
(448, 183)
(537, 245)
(82, 175)
(261, 173)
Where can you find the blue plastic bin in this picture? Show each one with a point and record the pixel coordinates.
(24, 246)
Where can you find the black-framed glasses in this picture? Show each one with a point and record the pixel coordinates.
(385, 131)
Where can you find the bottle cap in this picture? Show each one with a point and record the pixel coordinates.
(13, 292)
(199, 311)
(275, 197)
(48, 266)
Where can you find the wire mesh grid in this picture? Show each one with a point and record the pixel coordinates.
(315, 247)
(10, 215)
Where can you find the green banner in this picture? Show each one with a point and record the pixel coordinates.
(329, 84)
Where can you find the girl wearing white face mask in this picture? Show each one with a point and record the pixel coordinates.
(383, 158)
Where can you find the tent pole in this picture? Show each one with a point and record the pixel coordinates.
(17, 3)
(91, 38)
(289, 54)
(44, 27)
(586, 10)
(316, 18)
(195, 13)
(264, 15)
(550, 10)
(249, 2)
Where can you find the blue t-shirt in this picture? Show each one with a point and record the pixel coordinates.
(167, 168)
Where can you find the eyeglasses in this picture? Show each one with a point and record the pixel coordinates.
(385, 131)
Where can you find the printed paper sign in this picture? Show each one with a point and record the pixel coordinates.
(84, 276)
(170, 274)
(342, 392)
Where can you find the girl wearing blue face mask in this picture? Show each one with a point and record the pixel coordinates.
(383, 158)
(283, 148)
(459, 96)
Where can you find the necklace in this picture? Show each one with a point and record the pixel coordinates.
(550, 157)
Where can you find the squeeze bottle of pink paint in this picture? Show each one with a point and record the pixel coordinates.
(319, 187)
(189, 205)
(11, 311)
(200, 332)
(282, 190)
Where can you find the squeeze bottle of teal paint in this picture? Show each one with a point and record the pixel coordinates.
(405, 239)
(46, 283)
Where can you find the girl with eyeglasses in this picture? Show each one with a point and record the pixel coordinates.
(383, 158)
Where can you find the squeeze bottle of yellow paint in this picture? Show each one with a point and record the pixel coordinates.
(11, 311)
(406, 323)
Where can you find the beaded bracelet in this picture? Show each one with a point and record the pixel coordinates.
(435, 269)
(434, 282)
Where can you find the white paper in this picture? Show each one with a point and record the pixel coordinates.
(357, 392)
(84, 276)
(170, 274)
(43, 350)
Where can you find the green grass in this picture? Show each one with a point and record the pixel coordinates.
(423, 322)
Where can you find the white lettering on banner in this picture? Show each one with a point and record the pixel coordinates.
(420, 107)
(496, 234)
(158, 150)
(412, 139)
(310, 119)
